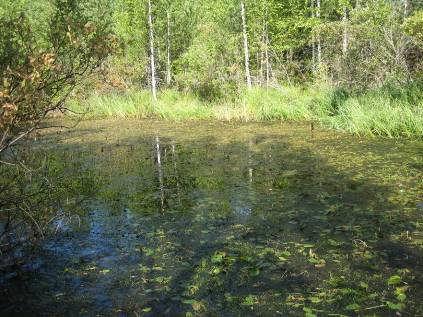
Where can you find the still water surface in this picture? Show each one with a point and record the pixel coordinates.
(213, 219)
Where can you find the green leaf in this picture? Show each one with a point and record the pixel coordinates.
(250, 300)
(309, 312)
(315, 300)
(353, 306)
(149, 251)
(215, 271)
(394, 280)
(401, 297)
(393, 306)
(189, 301)
(255, 272)
(218, 257)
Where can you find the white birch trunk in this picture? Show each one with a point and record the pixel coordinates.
(406, 8)
(313, 40)
(345, 36)
(152, 61)
(319, 45)
(266, 53)
(168, 65)
(246, 50)
(262, 60)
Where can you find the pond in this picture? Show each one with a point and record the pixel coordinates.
(221, 219)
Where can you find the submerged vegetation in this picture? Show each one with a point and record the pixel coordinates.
(246, 199)
(190, 220)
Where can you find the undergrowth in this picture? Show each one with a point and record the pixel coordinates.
(388, 111)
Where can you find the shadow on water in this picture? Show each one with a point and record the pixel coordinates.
(252, 224)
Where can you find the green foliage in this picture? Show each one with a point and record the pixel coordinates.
(414, 26)
(40, 70)
(139, 104)
(384, 112)
(291, 103)
(46, 49)
(351, 90)
(394, 280)
(35, 192)
(209, 66)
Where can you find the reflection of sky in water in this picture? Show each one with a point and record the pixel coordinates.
(241, 202)
(109, 247)
(165, 208)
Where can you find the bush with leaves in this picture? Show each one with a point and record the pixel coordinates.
(39, 68)
(39, 71)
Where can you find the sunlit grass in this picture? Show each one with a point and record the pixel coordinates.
(382, 112)
(176, 106)
(132, 104)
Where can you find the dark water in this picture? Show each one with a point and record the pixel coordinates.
(208, 219)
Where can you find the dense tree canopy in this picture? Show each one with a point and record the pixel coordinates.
(198, 45)
(362, 44)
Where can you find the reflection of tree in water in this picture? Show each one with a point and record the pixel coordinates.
(311, 236)
(311, 221)
(160, 172)
(243, 192)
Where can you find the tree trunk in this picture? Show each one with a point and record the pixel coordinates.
(313, 41)
(319, 45)
(246, 50)
(160, 172)
(345, 36)
(406, 8)
(262, 55)
(168, 65)
(266, 54)
(152, 61)
(175, 172)
(260, 63)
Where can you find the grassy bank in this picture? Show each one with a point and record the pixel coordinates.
(384, 112)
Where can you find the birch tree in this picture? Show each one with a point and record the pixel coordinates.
(168, 60)
(313, 40)
(406, 8)
(246, 49)
(152, 60)
(265, 46)
(319, 44)
(266, 57)
(345, 36)
(196, 45)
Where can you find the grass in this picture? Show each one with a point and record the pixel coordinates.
(384, 112)
(380, 113)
